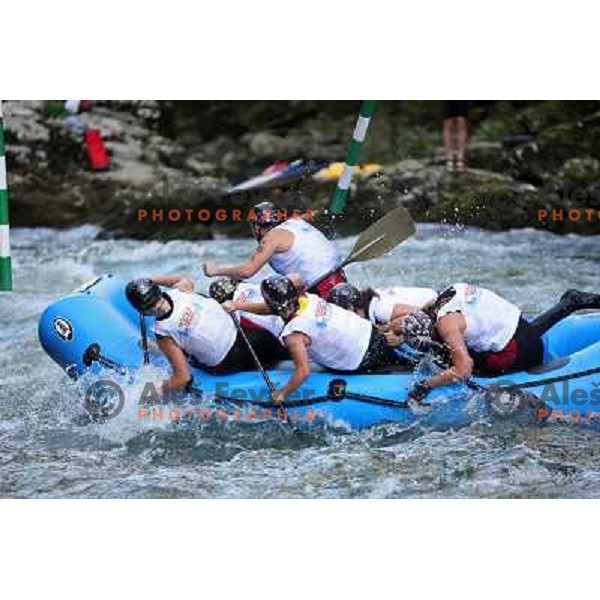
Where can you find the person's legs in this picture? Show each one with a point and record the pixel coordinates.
(449, 142)
(239, 358)
(523, 351)
(570, 301)
(268, 348)
(461, 142)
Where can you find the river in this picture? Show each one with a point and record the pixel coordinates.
(48, 451)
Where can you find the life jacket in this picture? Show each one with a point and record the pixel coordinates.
(339, 338)
(382, 306)
(199, 326)
(491, 320)
(311, 254)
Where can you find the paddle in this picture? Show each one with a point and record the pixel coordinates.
(257, 362)
(144, 339)
(248, 343)
(259, 366)
(381, 237)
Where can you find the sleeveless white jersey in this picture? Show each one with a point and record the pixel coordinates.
(339, 338)
(491, 320)
(199, 326)
(381, 309)
(250, 292)
(311, 255)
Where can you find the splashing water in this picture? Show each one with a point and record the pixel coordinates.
(49, 448)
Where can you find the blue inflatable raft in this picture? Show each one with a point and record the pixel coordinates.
(95, 328)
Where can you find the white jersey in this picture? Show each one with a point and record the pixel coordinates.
(491, 320)
(250, 292)
(381, 309)
(339, 338)
(311, 255)
(199, 326)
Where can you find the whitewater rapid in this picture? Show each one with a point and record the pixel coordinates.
(48, 450)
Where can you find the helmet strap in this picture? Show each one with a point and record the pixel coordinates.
(144, 338)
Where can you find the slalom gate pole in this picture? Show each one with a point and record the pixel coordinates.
(5, 263)
(338, 202)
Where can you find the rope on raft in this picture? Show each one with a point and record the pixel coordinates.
(337, 387)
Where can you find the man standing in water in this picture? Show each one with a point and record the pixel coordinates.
(289, 246)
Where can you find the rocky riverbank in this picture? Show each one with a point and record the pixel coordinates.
(183, 155)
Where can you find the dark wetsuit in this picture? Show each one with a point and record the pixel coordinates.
(239, 358)
(524, 351)
(526, 348)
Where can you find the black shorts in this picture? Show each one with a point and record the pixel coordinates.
(379, 354)
(524, 351)
(239, 358)
(455, 108)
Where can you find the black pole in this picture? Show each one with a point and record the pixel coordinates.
(253, 353)
(144, 339)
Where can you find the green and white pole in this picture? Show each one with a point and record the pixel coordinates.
(338, 202)
(5, 266)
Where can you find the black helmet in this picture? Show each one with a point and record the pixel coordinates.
(344, 295)
(281, 295)
(143, 294)
(222, 289)
(417, 330)
(267, 216)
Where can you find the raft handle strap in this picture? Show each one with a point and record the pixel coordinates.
(93, 354)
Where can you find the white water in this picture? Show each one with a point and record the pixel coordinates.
(47, 450)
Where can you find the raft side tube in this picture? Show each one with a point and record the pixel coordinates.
(68, 327)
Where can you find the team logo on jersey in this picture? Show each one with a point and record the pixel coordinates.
(322, 313)
(63, 328)
(187, 318)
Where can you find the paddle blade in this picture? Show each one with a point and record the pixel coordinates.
(382, 236)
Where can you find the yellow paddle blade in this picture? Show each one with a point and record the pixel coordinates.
(384, 235)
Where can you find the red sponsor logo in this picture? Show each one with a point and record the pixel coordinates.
(187, 317)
